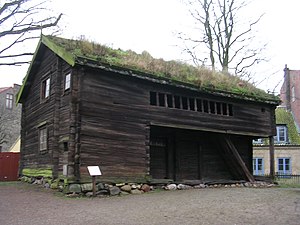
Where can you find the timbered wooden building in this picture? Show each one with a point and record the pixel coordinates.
(80, 111)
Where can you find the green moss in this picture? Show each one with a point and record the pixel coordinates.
(45, 172)
(200, 77)
(285, 117)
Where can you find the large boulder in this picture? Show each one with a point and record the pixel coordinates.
(114, 191)
(74, 188)
(87, 187)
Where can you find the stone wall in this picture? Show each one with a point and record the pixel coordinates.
(121, 189)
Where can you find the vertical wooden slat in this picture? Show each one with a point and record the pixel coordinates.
(272, 163)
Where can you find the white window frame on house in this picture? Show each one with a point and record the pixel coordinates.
(45, 89)
(43, 137)
(293, 94)
(68, 81)
(281, 134)
(258, 166)
(257, 141)
(9, 100)
(284, 166)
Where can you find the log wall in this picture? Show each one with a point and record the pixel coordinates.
(116, 113)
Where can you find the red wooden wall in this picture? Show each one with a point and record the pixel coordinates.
(9, 166)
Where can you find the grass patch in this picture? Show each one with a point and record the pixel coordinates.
(9, 183)
(288, 183)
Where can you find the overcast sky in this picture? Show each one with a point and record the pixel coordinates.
(151, 25)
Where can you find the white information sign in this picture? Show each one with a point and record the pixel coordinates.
(94, 170)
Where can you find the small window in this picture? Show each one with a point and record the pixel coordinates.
(258, 141)
(184, 103)
(293, 94)
(9, 101)
(212, 107)
(46, 88)
(192, 104)
(66, 146)
(219, 109)
(284, 166)
(281, 134)
(205, 106)
(68, 81)
(170, 100)
(43, 139)
(161, 99)
(199, 105)
(153, 99)
(230, 110)
(177, 102)
(224, 109)
(258, 166)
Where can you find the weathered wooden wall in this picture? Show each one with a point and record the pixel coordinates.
(116, 115)
(35, 112)
(53, 113)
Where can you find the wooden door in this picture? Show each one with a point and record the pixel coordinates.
(9, 166)
(158, 158)
(188, 160)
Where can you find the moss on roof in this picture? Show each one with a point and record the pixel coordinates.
(80, 51)
(285, 117)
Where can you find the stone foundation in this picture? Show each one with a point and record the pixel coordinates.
(105, 190)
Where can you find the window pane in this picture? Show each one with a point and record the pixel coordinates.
(153, 100)
(199, 105)
(68, 81)
(9, 101)
(192, 104)
(177, 102)
(161, 99)
(47, 89)
(170, 100)
(184, 103)
(43, 139)
(281, 135)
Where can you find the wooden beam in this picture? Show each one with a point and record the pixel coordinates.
(231, 149)
(272, 164)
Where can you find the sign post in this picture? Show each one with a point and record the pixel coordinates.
(94, 171)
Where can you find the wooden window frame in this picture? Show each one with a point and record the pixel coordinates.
(46, 88)
(293, 94)
(67, 83)
(256, 164)
(190, 103)
(278, 136)
(284, 163)
(43, 139)
(9, 101)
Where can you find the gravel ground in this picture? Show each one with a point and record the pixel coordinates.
(29, 204)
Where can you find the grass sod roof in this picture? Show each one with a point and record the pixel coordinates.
(174, 72)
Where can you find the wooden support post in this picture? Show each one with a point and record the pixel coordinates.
(272, 162)
(94, 185)
(231, 149)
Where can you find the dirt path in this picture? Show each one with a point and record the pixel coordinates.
(29, 204)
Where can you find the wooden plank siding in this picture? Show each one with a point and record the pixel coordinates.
(52, 112)
(115, 114)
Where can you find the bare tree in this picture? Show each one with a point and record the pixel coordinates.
(21, 21)
(227, 40)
